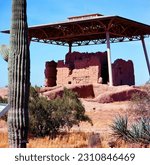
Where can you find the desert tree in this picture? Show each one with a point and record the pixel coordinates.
(19, 76)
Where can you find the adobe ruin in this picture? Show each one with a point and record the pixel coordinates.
(88, 68)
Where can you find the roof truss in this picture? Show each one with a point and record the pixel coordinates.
(89, 31)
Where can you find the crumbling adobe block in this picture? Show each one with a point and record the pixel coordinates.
(123, 72)
(50, 73)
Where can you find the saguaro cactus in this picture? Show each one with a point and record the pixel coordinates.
(19, 77)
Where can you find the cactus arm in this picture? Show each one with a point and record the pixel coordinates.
(4, 51)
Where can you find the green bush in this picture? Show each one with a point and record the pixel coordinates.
(49, 117)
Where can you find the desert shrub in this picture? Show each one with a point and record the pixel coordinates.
(139, 109)
(49, 117)
(3, 100)
(138, 132)
(141, 131)
(120, 127)
(38, 115)
(140, 103)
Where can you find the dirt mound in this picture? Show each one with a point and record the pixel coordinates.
(83, 91)
(117, 93)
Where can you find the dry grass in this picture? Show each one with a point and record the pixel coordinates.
(70, 140)
(3, 140)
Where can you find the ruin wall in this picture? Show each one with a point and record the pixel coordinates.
(123, 72)
(80, 68)
(88, 68)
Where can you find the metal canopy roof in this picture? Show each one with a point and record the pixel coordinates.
(82, 30)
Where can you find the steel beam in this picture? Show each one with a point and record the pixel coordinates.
(109, 59)
(70, 47)
(146, 54)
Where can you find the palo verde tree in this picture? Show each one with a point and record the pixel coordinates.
(19, 76)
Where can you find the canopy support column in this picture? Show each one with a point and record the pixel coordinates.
(146, 54)
(109, 59)
(70, 47)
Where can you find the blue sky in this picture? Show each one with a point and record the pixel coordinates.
(50, 11)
